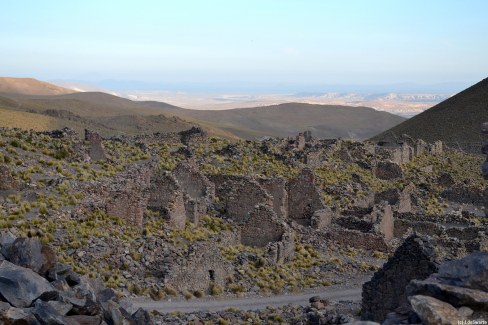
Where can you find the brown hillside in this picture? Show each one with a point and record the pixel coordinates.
(456, 120)
(30, 86)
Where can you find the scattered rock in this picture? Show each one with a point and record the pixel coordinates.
(469, 272)
(433, 311)
(21, 286)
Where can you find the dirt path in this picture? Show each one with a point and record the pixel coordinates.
(248, 303)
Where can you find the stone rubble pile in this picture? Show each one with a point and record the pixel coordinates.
(37, 289)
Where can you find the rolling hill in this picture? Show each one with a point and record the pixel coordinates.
(107, 114)
(30, 86)
(455, 121)
(325, 121)
(112, 115)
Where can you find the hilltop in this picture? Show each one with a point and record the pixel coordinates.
(455, 120)
(325, 121)
(30, 86)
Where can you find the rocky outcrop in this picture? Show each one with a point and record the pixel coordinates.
(58, 296)
(414, 259)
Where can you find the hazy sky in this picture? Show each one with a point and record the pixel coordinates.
(246, 42)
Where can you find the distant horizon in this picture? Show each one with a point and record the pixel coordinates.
(252, 45)
(244, 87)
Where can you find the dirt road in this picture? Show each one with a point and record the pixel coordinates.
(247, 303)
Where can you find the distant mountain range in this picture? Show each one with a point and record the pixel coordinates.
(25, 99)
(457, 120)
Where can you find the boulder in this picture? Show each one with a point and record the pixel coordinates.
(433, 311)
(46, 314)
(13, 315)
(470, 272)
(456, 296)
(83, 320)
(28, 252)
(141, 317)
(21, 286)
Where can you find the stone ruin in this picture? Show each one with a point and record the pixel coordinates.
(199, 191)
(167, 198)
(457, 235)
(200, 268)
(96, 152)
(303, 197)
(124, 196)
(414, 259)
(276, 187)
(193, 135)
(239, 195)
(365, 228)
(401, 150)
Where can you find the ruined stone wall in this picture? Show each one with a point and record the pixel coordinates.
(166, 197)
(199, 191)
(383, 221)
(202, 266)
(462, 194)
(281, 251)
(357, 239)
(128, 205)
(303, 197)
(195, 135)
(192, 181)
(262, 228)
(239, 195)
(414, 259)
(95, 147)
(276, 187)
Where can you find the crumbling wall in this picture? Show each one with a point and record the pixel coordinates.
(239, 195)
(276, 187)
(303, 197)
(414, 259)
(166, 197)
(94, 140)
(201, 267)
(383, 221)
(281, 251)
(195, 135)
(128, 205)
(262, 227)
(199, 191)
(125, 195)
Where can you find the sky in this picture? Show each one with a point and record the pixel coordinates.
(249, 44)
